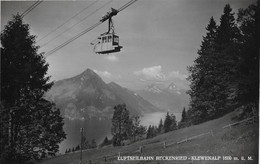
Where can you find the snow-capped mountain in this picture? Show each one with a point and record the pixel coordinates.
(153, 88)
(173, 88)
(168, 98)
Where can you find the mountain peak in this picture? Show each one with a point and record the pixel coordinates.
(89, 72)
(87, 95)
(89, 76)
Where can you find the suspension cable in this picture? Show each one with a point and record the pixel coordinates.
(72, 39)
(126, 5)
(67, 20)
(76, 24)
(85, 31)
(31, 8)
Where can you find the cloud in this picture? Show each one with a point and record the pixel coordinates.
(155, 73)
(178, 75)
(151, 73)
(112, 58)
(103, 73)
(107, 76)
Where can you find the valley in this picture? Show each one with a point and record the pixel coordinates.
(87, 101)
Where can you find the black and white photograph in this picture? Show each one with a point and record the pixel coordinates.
(129, 82)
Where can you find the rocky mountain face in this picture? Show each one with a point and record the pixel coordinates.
(166, 98)
(86, 96)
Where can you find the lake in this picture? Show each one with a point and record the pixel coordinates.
(98, 129)
(154, 118)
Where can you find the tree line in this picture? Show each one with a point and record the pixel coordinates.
(169, 124)
(86, 144)
(31, 127)
(126, 129)
(224, 76)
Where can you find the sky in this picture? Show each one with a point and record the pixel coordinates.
(160, 38)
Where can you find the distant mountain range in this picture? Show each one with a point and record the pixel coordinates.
(86, 96)
(166, 98)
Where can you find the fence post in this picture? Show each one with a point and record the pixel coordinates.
(119, 154)
(164, 144)
(212, 133)
(81, 144)
(141, 149)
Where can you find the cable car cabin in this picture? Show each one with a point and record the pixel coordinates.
(107, 43)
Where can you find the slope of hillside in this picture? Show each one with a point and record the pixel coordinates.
(238, 142)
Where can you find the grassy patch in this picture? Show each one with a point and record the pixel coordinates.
(236, 142)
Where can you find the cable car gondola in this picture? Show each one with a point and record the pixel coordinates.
(108, 42)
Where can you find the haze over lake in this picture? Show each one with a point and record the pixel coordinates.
(154, 118)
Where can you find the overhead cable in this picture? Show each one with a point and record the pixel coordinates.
(31, 8)
(72, 39)
(126, 5)
(76, 24)
(85, 31)
(67, 20)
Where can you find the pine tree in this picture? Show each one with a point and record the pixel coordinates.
(248, 72)
(202, 77)
(160, 126)
(93, 143)
(154, 131)
(225, 75)
(136, 129)
(227, 46)
(77, 148)
(121, 124)
(170, 123)
(149, 132)
(173, 123)
(141, 130)
(183, 115)
(86, 144)
(167, 123)
(105, 142)
(23, 85)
